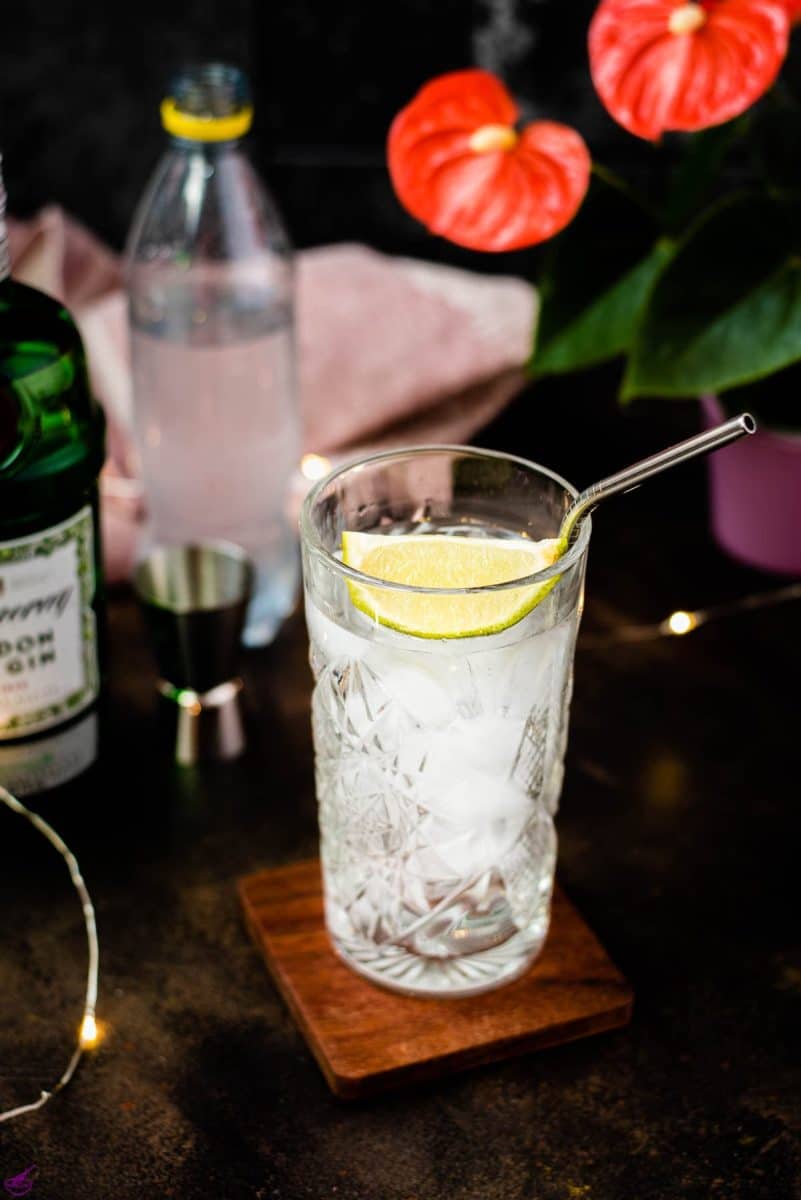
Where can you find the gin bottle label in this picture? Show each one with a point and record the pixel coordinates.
(48, 636)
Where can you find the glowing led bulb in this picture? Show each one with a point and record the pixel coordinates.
(314, 466)
(89, 1032)
(681, 622)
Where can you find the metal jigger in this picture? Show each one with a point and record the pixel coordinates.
(194, 599)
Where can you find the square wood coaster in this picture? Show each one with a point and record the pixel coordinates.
(367, 1039)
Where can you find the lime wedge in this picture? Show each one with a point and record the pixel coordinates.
(434, 561)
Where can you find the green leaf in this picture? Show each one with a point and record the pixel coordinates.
(605, 328)
(726, 310)
(595, 282)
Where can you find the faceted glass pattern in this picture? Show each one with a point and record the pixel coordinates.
(438, 768)
(437, 779)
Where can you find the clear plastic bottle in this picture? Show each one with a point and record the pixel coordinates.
(209, 278)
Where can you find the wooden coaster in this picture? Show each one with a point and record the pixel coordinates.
(367, 1039)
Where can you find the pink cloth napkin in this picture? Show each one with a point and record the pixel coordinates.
(392, 351)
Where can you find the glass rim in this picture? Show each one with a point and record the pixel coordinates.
(313, 542)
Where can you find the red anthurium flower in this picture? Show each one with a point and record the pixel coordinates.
(793, 10)
(458, 164)
(663, 65)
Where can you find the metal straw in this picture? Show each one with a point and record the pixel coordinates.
(633, 476)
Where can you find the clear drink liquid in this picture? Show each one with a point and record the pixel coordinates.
(217, 434)
(439, 768)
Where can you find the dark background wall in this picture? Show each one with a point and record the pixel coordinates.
(80, 82)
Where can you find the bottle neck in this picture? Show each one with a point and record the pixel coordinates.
(5, 259)
(207, 149)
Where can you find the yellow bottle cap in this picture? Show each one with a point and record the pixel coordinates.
(202, 127)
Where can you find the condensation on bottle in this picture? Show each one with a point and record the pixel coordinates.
(210, 301)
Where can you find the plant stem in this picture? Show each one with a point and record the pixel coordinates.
(612, 179)
(699, 169)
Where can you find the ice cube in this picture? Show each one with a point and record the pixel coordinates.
(434, 758)
(415, 684)
(471, 827)
(517, 678)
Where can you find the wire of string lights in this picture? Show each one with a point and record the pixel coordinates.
(684, 621)
(677, 624)
(87, 1030)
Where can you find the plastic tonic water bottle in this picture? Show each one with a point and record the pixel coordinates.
(209, 277)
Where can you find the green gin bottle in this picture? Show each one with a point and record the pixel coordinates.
(51, 452)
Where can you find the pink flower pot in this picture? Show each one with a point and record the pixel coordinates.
(755, 496)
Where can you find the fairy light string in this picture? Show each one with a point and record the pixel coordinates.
(682, 622)
(88, 1033)
(677, 624)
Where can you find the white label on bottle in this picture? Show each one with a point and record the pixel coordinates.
(48, 636)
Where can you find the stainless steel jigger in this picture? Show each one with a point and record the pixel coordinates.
(194, 599)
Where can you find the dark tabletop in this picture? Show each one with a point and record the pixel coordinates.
(679, 841)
